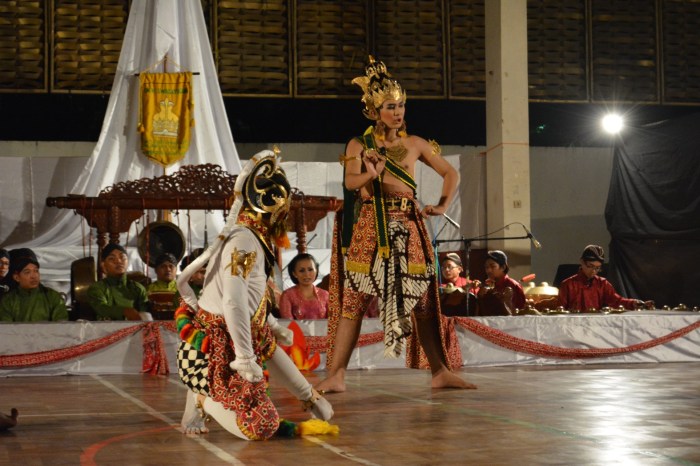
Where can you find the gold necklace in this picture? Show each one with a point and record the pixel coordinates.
(396, 153)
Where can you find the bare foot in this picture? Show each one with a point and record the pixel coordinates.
(194, 417)
(446, 379)
(332, 384)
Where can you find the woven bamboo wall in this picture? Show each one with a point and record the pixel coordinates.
(578, 50)
(253, 47)
(23, 56)
(85, 44)
(411, 40)
(624, 55)
(557, 50)
(467, 49)
(681, 51)
(331, 43)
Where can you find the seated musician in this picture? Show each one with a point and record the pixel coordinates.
(162, 293)
(4, 269)
(196, 281)
(29, 300)
(500, 295)
(452, 271)
(115, 297)
(586, 290)
(453, 289)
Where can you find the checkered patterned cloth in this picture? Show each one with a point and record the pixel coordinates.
(193, 367)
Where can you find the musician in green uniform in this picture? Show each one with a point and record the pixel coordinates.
(30, 301)
(115, 297)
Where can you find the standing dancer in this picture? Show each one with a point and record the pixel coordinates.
(228, 333)
(386, 248)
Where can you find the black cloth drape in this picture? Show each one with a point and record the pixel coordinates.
(653, 212)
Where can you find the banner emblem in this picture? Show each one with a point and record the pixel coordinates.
(166, 103)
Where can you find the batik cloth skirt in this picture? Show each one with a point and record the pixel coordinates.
(209, 374)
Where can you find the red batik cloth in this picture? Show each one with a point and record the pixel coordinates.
(256, 416)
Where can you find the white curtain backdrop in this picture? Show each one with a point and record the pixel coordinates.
(155, 28)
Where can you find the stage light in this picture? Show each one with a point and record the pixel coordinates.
(612, 123)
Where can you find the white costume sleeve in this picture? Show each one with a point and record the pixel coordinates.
(243, 288)
(284, 335)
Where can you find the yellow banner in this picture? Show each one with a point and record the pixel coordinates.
(166, 115)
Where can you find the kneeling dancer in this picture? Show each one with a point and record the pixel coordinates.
(228, 333)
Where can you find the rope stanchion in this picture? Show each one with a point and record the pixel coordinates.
(154, 349)
(155, 357)
(504, 340)
(16, 361)
(320, 344)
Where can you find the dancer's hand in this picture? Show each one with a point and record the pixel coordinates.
(248, 369)
(373, 162)
(381, 163)
(284, 335)
(433, 210)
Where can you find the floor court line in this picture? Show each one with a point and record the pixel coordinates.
(338, 451)
(218, 452)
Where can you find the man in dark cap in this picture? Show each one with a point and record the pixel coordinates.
(452, 271)
(4, 269)
(165, 267)
(30, 301)
(115, 297)
(587, 291)
(501, 295)
(163, 292)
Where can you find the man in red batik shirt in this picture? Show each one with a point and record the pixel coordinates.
(586, 290)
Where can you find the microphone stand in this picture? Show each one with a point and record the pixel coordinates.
(437, 256)
(467, 242)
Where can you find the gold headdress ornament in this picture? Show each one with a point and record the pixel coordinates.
(266, 190)
(261, 187)
(377, 86)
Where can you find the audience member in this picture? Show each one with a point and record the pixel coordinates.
(500, 295)
(115, 297)
(30, 301)
(4, 269)
(196, 281)
(304, 300)
(586, 290)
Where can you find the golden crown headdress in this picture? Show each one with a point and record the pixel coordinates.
(377, 86)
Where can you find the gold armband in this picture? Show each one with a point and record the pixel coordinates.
(342, 158)
(435, 147)
(242, 262)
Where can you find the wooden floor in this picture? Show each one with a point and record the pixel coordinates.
(592, 415)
